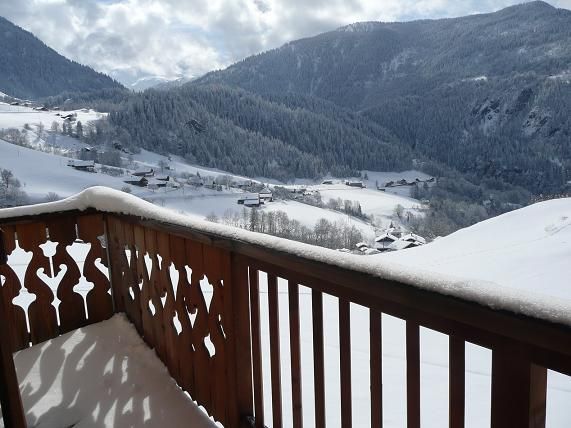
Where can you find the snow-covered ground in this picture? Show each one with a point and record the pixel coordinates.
(103, 375)
(18, 116)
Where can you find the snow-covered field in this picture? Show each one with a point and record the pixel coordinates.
(18, 116)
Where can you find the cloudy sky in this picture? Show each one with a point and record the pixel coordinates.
(133, 38)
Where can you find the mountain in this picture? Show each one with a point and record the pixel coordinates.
(30, 69)
(489, 94)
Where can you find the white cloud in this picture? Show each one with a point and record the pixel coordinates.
(133, 38)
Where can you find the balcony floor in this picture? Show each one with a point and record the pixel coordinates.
(102, 375)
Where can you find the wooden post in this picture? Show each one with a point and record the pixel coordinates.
(518, 389)
(10, 399)
(242, 341)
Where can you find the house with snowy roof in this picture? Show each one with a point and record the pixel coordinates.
(251, 200)
(416, 239)
(266, 195)
(82, 165)
(139, 181)
(383, 241)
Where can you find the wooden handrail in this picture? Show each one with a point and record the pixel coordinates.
(229, 381)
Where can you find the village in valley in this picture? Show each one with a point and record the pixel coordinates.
(376, 206)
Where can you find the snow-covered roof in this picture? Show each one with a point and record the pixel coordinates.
(401, 245)
(413, 238)
(488, 293)
(386, 236)
(80, 163)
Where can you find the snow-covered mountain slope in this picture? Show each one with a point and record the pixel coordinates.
(41, 173)
(12, 116)
(527, 249)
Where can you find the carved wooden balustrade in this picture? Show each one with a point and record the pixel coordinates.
(194, 297)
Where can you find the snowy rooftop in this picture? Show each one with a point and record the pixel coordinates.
(487, 290)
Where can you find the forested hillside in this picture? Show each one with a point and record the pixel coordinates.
(30, 69)
(488, 95)
(279, 136)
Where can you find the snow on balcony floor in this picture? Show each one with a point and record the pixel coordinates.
(102, 375)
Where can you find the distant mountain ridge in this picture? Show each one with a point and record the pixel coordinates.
(30, 69)
(488, 94)
(356, 64)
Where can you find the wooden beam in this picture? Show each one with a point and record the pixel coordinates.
(318, 358)
(294, 341)
(457, 382)
(412, 375)
(275, 351)
(256, 349)
(518, 388)
(376, 346)
(345, 362)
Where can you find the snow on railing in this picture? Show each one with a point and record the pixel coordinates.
(487, 293)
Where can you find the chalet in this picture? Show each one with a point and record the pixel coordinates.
(162, 182)
(402, 182)
(382, 242)
(327, 182)
(250, 201)
(144, 173)
(82, 165)
(354, 184)
(415, 239)
(43, 108)
(15, 103)
(401, 245)
(137, 181)
(266, 195)
(389, 184)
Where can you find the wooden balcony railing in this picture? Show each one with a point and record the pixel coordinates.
(212, 343)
